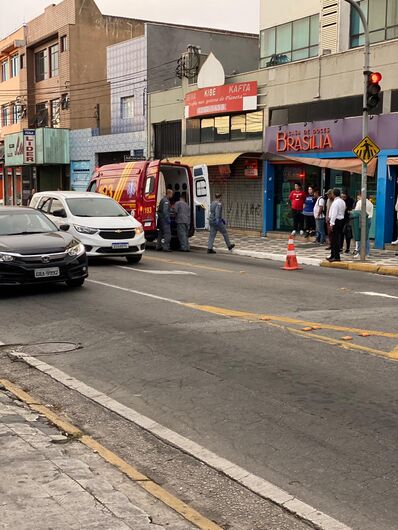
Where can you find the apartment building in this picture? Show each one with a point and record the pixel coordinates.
(63, 86)
(311, 59)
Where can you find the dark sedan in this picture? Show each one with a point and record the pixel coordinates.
(34, 251)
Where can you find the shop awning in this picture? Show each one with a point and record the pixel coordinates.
(353, 165)
(210, 160)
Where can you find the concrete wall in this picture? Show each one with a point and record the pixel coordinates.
(237, 52)
(274, 13)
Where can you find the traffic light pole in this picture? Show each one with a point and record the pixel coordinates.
(365, 126)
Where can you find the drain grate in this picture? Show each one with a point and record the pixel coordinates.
(41, 348)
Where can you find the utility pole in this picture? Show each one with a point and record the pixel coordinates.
(365, 125)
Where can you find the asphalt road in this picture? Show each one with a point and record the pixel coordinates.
(289, 405)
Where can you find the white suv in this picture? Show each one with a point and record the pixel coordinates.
(99, 222)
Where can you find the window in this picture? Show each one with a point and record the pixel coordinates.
(14, 65)
(293, 41)
(64, 43)
(4, 70)
(54, 60)
(56, 204)
(16, 113)
(41, 115)
(44, 204)
(4, 116)
(127, 107)
(225, 128)
(22, 61)
(55, 118)
(149, 185)
(382, 17)
(200, 188)
(41, 65)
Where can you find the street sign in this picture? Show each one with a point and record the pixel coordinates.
(366, 150)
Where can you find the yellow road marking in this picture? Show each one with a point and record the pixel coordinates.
(188, 265)
(146, 483)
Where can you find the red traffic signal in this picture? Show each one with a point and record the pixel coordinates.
(375, 78)
(373, 91)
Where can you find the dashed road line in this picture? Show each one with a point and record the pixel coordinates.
(382, 295)
(158, 272)
(190, 265)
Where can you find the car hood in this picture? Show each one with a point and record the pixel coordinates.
(105, 222)
(46, 243)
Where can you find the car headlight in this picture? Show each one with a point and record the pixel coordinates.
(76, 249)
(139, 230)
(85, 229)
(6, 258)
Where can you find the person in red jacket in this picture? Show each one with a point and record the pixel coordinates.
(297, 199)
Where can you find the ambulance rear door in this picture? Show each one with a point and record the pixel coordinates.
(201, 197)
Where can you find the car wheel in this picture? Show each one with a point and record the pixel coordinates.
(134, 259)
(75, 283)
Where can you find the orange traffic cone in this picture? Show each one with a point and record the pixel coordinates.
(291, 258)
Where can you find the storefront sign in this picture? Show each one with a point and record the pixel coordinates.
(29, 146)
(303, 140)
(80, 174)
(236, 97)
(13, 149)
(251, 169)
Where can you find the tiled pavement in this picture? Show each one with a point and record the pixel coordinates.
(49, 481)
(245, 241)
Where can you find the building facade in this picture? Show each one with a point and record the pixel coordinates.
(312, 64)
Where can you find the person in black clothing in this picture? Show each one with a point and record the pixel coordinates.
(347, 229)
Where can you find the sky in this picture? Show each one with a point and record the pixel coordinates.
(225, 14)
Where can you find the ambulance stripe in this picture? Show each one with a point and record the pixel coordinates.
(123, 180)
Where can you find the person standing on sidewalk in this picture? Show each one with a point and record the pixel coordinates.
(217, 224)
(329, 202)
(308, 212)
(337, 212)
(164, 222)
(396, 210)
(183, 222)
(347, 229)
(319, 216)
(297, 198)
(369, 214)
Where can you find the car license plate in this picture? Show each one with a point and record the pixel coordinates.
(47, 273)
(120, 245)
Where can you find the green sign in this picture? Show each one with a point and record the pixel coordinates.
(52, 147)
(13, 149)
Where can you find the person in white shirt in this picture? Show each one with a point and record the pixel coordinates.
(336, 214)
(369, 212)
(396, 209)
(319, 214)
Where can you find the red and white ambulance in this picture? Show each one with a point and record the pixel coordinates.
(140, 185)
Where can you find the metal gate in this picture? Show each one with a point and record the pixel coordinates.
(242, 195)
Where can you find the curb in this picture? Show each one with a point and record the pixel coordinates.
(375, 268)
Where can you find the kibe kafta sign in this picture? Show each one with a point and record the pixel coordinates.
(29, 146)
(303, 140)
(236, 97)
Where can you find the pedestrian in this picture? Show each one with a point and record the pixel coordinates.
(369, 216)
(32, 192)
(319, 216)
(217, 224)
(164, 222)
(347, 229)
(329, 200)
(396, 209)
(297, 198)
(183, 222)
(337, 211)
(308, 212)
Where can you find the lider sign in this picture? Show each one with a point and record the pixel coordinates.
(236, 97)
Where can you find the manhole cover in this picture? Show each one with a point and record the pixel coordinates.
(42, 348)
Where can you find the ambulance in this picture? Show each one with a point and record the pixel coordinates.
(140, 185)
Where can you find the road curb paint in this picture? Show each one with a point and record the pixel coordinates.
(387, 270)
(139, 478)
(254, 483)
(375, 268)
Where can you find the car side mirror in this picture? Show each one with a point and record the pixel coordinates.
(64, 228)
(59, 213)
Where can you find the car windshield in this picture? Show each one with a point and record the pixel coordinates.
(24, 222)
(95, 207)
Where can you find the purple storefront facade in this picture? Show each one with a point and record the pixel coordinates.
(320, 154)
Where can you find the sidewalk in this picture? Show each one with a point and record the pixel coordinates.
(50, 481)
(308, 253)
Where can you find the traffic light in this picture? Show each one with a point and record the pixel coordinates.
(374, 88)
